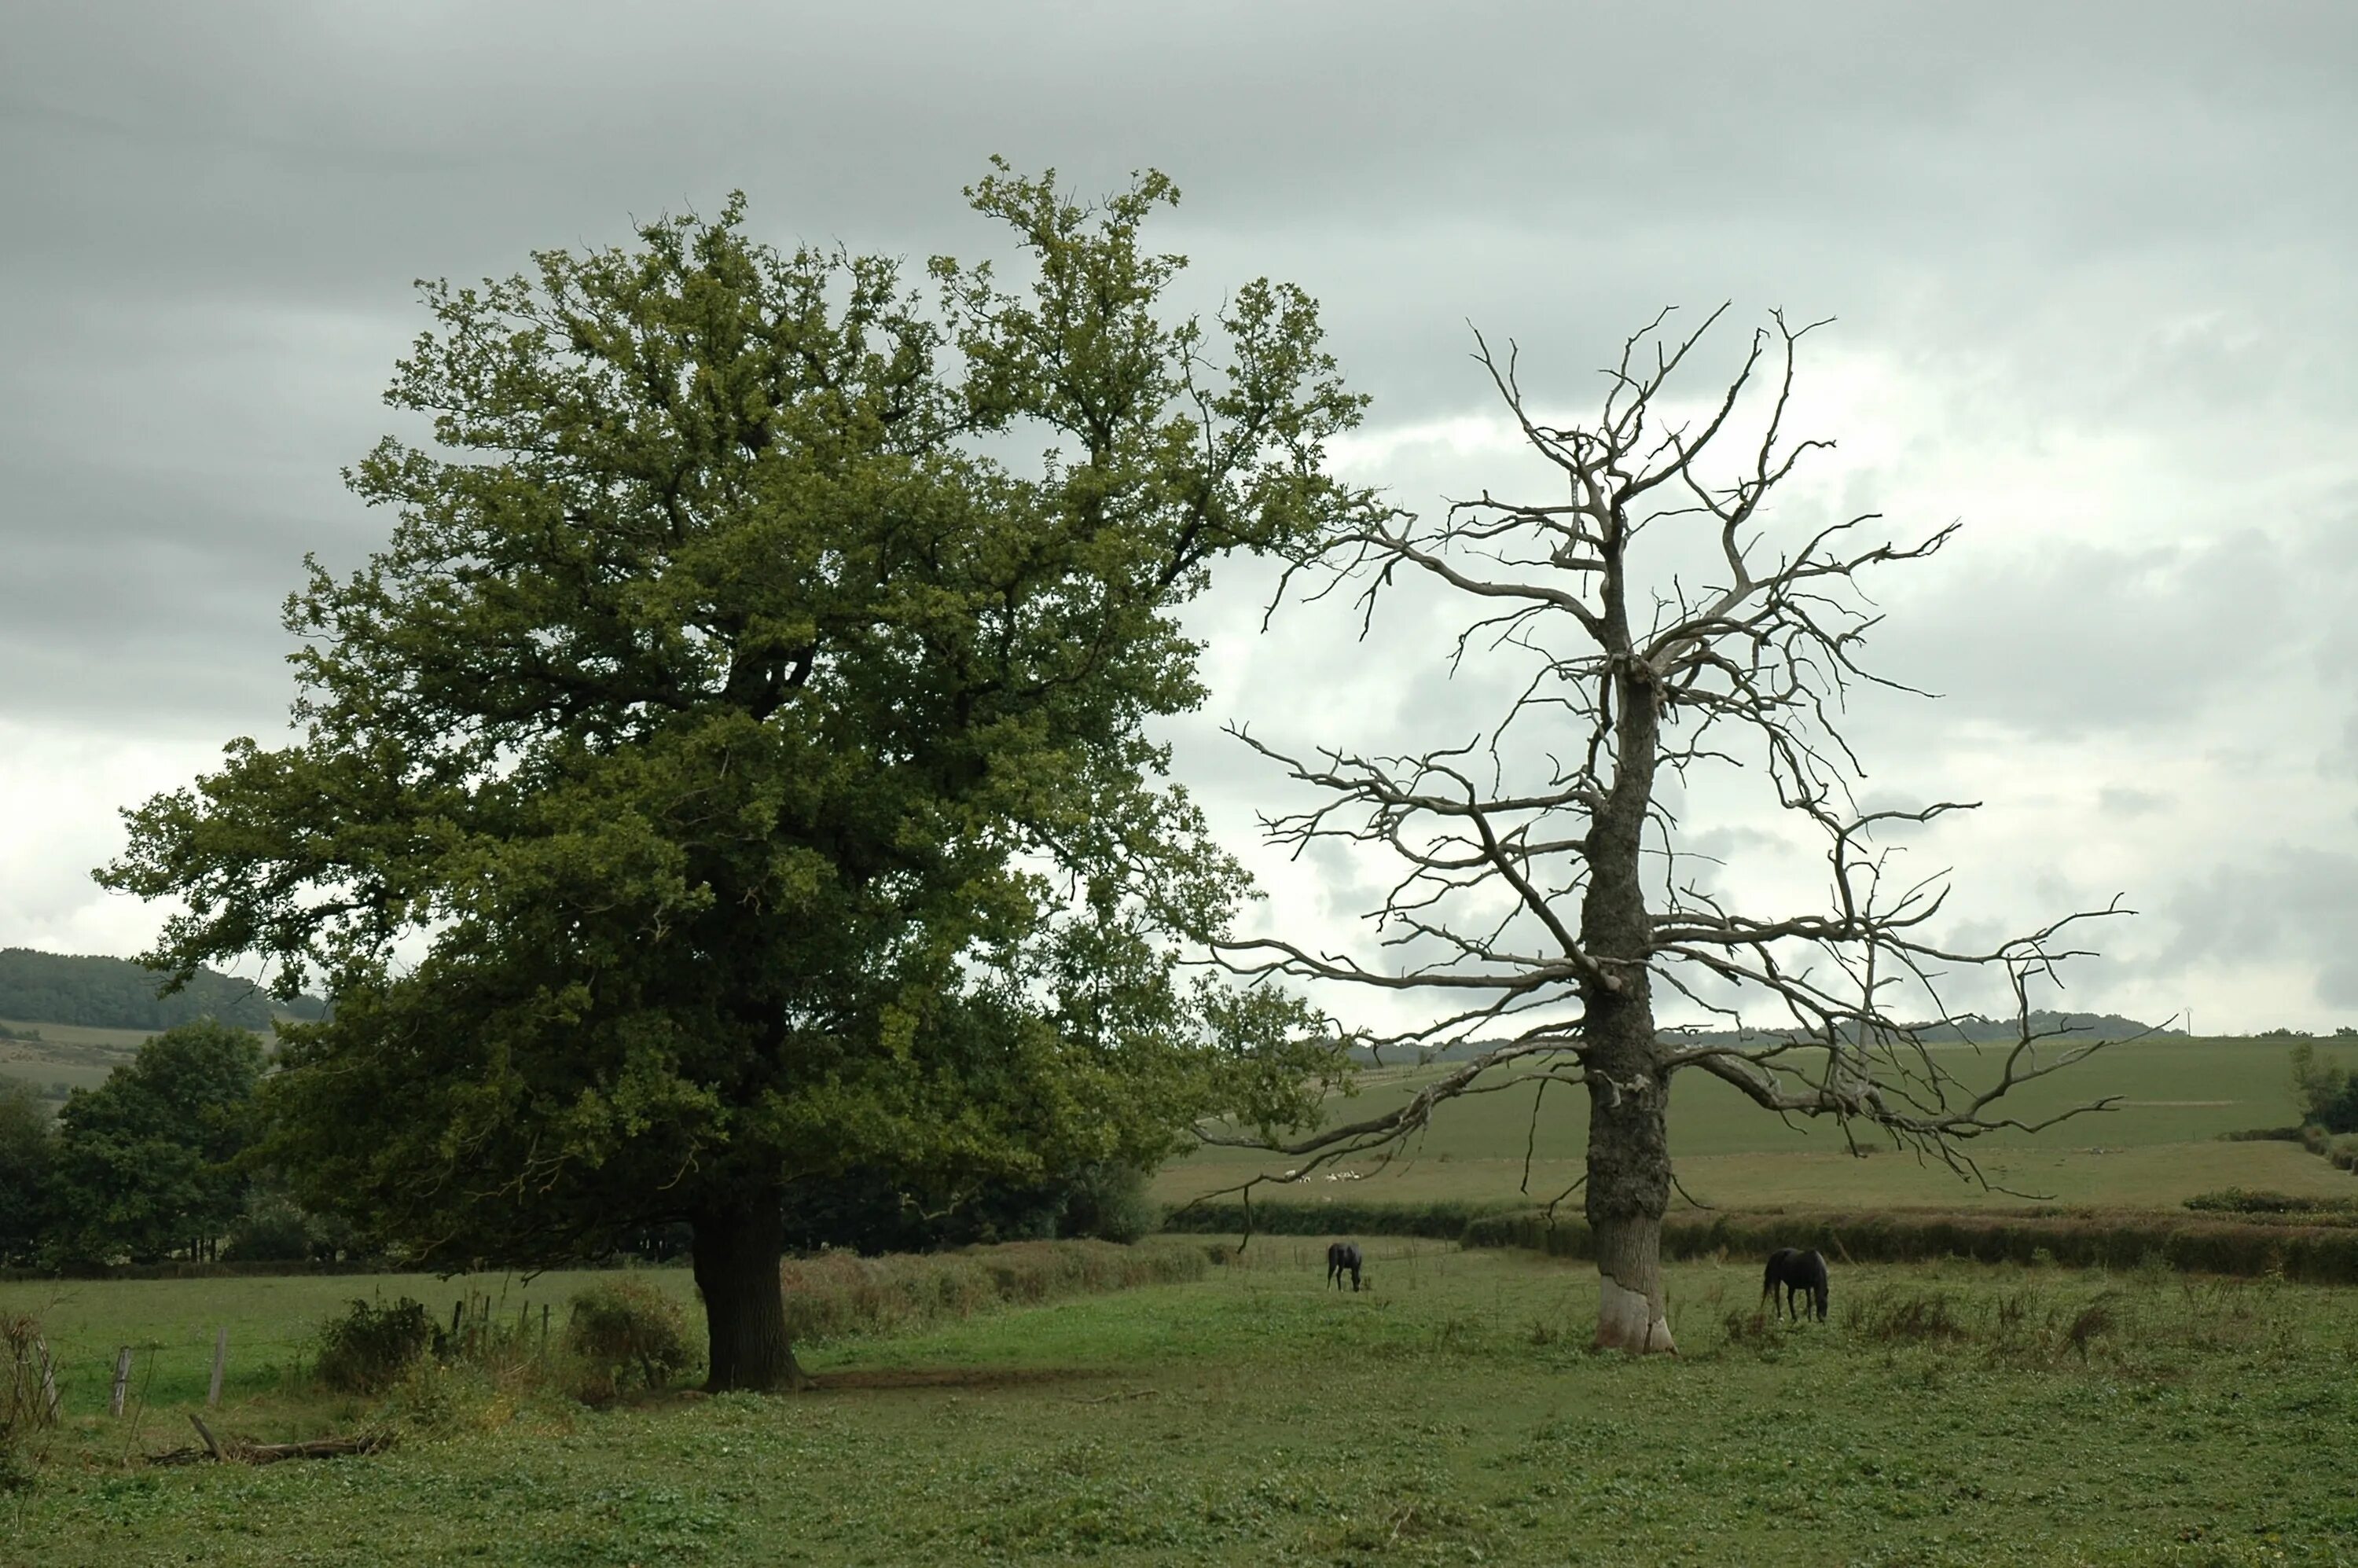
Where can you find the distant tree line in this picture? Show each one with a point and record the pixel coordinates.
(115, 993)
(154, 1163)
(166, 1159)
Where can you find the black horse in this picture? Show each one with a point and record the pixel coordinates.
(1341, 1256)
(1803, 1273)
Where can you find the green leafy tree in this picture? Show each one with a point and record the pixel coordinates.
(2328, 1095)
(146, 1162)
(28, 1153)
(746, 728)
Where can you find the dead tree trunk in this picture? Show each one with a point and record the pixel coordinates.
(1629, 1091)
(736, 1252)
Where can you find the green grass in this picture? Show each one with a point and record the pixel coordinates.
(170, 1325)
(2156, 1150)
(1450, 1415)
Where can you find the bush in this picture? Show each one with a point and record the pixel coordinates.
(1108, 1203)
(2329, 1094)
(623, 1330)
(372, 1346)
(24, 1401)
(2236, 1200)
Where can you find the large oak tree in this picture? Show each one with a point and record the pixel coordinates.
(734, 770)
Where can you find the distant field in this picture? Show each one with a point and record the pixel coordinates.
(74, 1054)
(2157, 1148)
(67, 1054)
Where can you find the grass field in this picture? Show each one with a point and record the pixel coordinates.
(67, 1054)
(2158, 1147)
(1450, 1415)
(170, 1325)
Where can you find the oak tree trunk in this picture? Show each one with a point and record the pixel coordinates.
(735, 1252)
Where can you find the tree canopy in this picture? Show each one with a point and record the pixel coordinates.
(26, 1151)
(736, 769)
(145, 1163)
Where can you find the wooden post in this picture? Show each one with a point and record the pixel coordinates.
(122, 1381)
(221, 1364)
(458, 1315)
(49, 1377)
(544, 1328)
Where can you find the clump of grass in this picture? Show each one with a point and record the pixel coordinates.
(836, 1293)
(1749, 1330)
(1896, 1314)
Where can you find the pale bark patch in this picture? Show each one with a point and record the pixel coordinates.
(1630, 1320)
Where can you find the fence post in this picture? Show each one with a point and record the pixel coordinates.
(122, 1380)
(221, 1364)
(50, 1394)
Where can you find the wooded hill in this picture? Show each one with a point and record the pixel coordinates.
(115, 993)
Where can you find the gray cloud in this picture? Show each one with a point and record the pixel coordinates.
(2095, 255)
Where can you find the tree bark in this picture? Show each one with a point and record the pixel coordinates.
(1629, 1091)
(736, 1252)
(1629, 1189)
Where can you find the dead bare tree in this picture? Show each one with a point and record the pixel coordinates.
(1540, 890)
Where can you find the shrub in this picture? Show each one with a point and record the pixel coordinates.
(624, 1329)
(23, 1398)
(1892, 1313)
(1108, 1201)
(372, 1346)
(2328, 1093)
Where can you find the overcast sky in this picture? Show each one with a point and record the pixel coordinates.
(2091, 266)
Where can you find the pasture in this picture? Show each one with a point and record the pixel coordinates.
(1449, 1414)
(2160, 1146)
(44, 1054)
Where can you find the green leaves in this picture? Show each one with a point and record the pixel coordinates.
(734, 767)
(145, 1163)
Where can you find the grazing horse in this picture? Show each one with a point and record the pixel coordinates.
(1340, 1256)
(1803, 1273)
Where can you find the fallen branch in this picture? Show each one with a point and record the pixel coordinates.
(232, 1451)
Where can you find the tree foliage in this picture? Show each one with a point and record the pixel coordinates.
(750, 738)
(145, 1164)
(2327, 1092)
(28, 1153)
